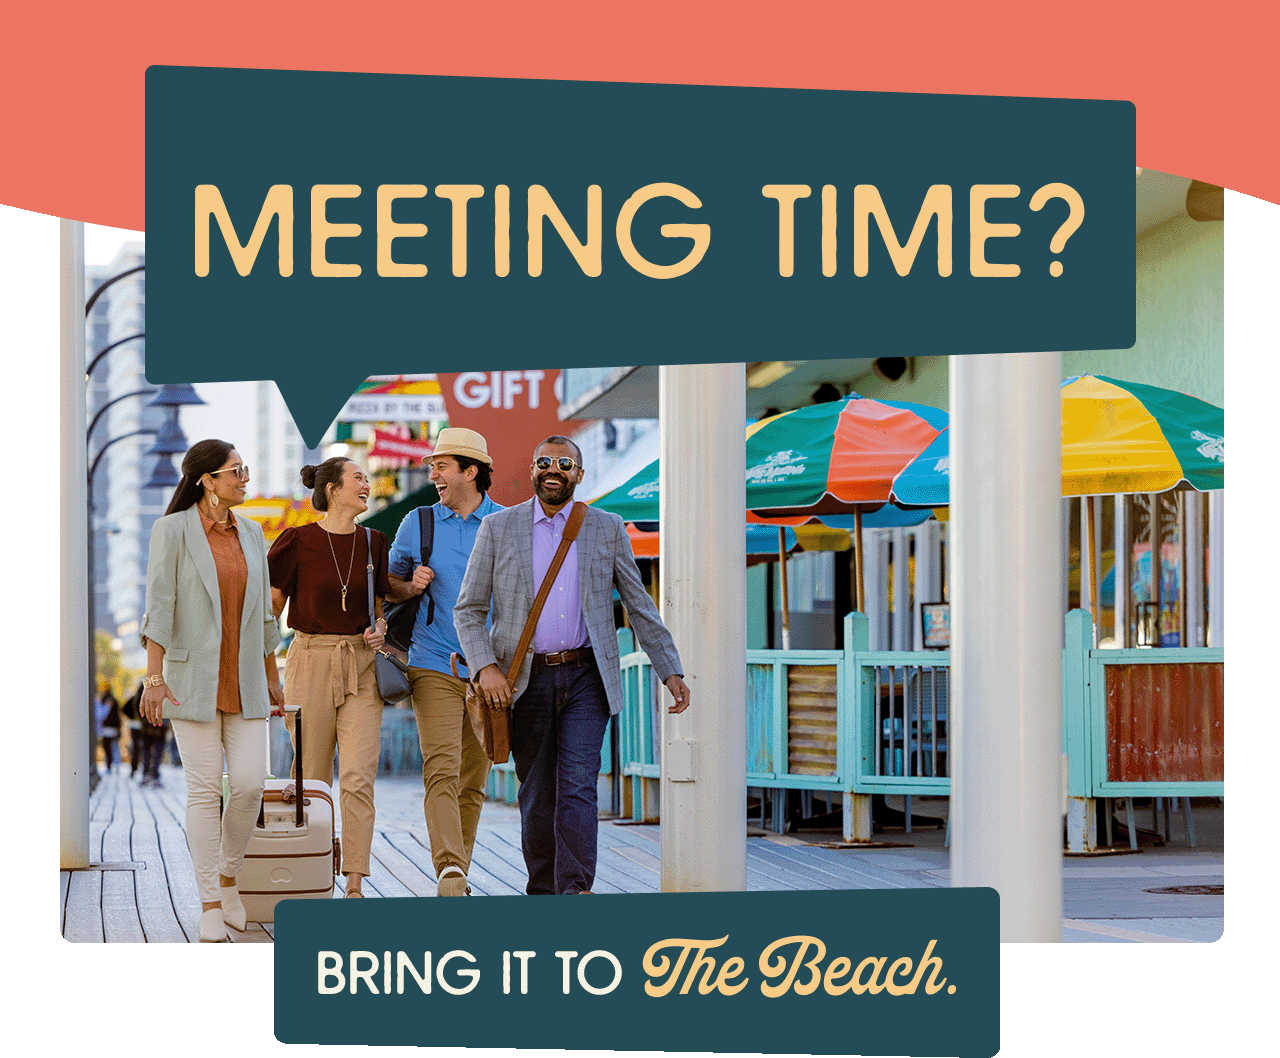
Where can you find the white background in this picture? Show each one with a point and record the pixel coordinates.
(1099, 1000)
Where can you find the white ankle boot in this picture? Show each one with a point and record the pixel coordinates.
(233, 912)
(212, 928)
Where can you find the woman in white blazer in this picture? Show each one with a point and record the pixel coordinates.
(210, 636)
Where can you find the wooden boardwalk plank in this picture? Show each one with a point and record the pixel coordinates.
(858, 866)
(158, 919)
(494, 857)
(381, 880)
(177, 863)
(398, 858)
(624, 873)
(490, 875)
(120, 921)
(84, 908)
(812, 863)
(160, 902)
(772, 875)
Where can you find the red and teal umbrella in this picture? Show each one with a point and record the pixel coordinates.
(834, 458)
(828, 461)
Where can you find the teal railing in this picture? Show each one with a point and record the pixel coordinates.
(855, 722)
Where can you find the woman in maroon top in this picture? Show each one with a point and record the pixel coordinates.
(321, 570)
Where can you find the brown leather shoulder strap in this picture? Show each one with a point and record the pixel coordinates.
(576, 516)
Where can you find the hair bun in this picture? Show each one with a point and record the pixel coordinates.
(309, 475)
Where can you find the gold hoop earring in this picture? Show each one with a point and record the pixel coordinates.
(213, 499)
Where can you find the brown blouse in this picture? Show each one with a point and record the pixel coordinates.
(233, 575)
(308, 564)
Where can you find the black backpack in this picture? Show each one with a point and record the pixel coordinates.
(403, 616)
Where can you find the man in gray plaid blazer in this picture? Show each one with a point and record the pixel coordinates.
(569, 681)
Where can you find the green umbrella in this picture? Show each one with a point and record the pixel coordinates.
(388, 520)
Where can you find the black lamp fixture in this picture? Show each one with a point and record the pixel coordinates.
(892, 368)
(174, 395)
(164, 476)
(170, 440)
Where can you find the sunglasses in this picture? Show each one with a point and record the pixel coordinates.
(241, 471)
(564, 463)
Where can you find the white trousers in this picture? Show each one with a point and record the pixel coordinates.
(217, 844)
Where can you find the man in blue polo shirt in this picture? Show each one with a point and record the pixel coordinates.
(454, 767)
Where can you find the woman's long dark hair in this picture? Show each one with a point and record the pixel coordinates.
(202, 458)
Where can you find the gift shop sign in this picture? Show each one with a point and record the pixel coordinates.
(323, 226)
(513, 410)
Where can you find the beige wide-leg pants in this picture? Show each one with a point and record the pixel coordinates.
(332, 677)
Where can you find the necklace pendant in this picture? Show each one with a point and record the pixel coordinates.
(344, 600)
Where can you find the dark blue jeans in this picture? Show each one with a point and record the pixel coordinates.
(558, 728)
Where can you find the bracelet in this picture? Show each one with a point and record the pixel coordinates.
(153, 681)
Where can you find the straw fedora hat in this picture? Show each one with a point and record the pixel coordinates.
(459, 441)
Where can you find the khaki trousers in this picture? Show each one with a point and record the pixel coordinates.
(454, 767)
(332, 677)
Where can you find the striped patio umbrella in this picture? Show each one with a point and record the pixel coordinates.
(834, 458)
(823, 462)
(636, 500)
(1117, 437)
(837, 458)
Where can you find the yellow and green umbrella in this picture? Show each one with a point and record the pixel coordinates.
(1117, 437)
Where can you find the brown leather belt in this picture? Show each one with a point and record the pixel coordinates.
(566, 657)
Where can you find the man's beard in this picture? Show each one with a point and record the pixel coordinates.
(554, 497)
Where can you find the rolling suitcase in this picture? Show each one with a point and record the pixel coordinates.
(293, 852)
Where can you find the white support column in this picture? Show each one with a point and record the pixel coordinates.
(878, 590)
(74, 690)
(1217, 538)
(1064, 527)
(1006, 661)
(1096, 575)
(927, 586)
(901, 639)
(1120, 548)
(702, 409)
(1086, 574)
(1194, 557)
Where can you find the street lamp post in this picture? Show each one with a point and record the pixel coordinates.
(106, 349)
(93, 602)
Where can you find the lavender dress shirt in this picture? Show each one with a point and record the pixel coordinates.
(561, 625)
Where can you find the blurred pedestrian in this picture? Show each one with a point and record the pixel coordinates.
(107, 712)
(131, 712)
(147, 740)
(321, 570)
(211, 669)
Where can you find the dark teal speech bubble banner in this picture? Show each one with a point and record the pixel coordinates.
(316, 228)
(832, 972)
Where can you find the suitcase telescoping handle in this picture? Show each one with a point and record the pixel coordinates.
(297, 762)
(297, 768)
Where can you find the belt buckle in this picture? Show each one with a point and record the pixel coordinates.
(559, 658)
